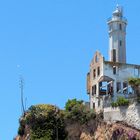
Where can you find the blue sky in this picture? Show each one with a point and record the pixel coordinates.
(53, 41)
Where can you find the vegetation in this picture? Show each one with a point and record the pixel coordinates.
(135, 84)
(77, 111)
(21, 128)
(47, 122)
(121, 101)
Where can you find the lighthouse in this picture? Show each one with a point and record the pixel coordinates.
(117, 36)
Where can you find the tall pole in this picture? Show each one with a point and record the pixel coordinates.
(21, 93)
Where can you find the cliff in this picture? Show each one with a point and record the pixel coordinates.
(95, 129)
(76, 122)
(102, 131)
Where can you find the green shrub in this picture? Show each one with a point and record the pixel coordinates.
(114, 104)
(77, 111)
(45, 121)
(135, 83)
(21, 128)
(121, 101)
(72, 103)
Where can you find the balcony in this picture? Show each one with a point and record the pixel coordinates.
(117, 18)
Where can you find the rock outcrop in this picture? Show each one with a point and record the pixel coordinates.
(97, 130)
(128, 114)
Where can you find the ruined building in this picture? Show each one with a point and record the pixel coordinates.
(111, 77)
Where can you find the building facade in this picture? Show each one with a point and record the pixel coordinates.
(109, 79)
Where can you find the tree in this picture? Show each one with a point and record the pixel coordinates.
(70, 104)
(135, 84)
(45, 123)
(77, 111)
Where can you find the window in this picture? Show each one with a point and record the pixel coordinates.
(88, 83)
(125, 89)
(136, 72)
(120, 43)
(110, 89)
(120, 26)
(114, 70)
(93, 90)
(93, 105)
(114, 55)
(94, 73)
(98, 72)
(118, 87)
(103, 88)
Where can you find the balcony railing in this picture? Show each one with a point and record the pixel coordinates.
(117, 18)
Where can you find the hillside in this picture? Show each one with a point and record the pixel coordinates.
(76, 122)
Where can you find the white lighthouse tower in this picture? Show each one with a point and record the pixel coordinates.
(117, 36)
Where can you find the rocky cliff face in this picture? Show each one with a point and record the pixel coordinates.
(128, 114)
(97, 130)
(102, 131)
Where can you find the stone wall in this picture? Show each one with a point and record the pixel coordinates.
(129, 115)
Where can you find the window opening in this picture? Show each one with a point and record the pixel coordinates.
(125, 85)
(94, 73)
(98, 71)
(118, 87)
(120, 43)
(120, 26)
(136, 72)
(93, 89)
(114, 55)
(114, 70)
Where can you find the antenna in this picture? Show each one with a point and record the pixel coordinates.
(21, 85)
(117, 2)
(25, 103)
(21, 94)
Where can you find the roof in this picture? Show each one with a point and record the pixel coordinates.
(121, 64)
(105, 78)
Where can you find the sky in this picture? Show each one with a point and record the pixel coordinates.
(51, 44)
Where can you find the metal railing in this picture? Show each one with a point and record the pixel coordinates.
(117, 18)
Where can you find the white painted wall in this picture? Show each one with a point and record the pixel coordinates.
(129, 115)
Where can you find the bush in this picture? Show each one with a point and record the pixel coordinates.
(114, 104)
(77, 111)
(45, 121)
(72, 103)
(135, 84)
(121, 101)
(21, 128)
